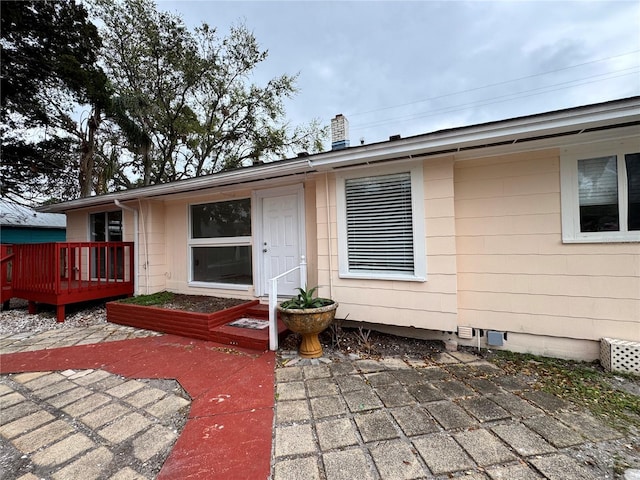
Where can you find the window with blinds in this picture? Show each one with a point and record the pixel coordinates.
(600, 193)
(379, 224)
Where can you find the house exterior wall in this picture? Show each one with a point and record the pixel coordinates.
(516, 275)
(77, 226)
(431, 304)
(176, 218)
(311, 232)
(151, 246)
(151, 270)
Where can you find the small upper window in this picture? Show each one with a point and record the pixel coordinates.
(601, 197)
(221, 219)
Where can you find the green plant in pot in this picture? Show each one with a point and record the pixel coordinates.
(308, 316)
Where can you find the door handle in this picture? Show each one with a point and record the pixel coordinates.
(264, 250)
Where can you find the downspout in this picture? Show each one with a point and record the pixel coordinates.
(135, 243)
(326, 191)
(145, 242)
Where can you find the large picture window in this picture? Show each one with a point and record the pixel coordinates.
(601, 196)
(220, 243)
(381, 226)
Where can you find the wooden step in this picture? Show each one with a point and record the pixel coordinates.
(245, 337)
(260, 310)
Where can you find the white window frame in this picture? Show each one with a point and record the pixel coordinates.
(216, 242)
(418, 221)
(570, 206)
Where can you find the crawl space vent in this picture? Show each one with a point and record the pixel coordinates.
(620, 355)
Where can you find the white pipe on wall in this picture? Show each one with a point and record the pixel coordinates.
(326, 191)
(135, 243)
(146, 248)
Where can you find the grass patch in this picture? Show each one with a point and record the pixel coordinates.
(582, 383)
(159, 298)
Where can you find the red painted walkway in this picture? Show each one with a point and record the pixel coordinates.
(228, 433)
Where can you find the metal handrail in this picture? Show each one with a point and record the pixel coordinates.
(273, 300)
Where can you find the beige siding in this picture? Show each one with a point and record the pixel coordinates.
(431, 304)
(176, 231)
(151, 249)
(514, 272)
(77, 226)
(311, 229)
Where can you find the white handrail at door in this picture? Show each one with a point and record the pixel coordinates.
(273, 301)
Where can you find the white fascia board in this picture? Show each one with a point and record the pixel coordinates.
(242, 175)
(551, 123)
(464, 137)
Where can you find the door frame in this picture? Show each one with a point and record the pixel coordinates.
(258, 255)
(93, 261)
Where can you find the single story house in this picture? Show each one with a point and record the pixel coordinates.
(525, 230)
(20, 224)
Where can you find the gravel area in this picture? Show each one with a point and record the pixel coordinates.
(18, 320)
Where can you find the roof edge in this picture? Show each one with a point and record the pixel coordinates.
(478, 135)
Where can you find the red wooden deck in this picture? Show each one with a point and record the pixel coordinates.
(69, 272)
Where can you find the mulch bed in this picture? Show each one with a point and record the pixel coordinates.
(200, 303)
(363, 342)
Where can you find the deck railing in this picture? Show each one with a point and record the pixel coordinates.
(70, 272)
(66, 267)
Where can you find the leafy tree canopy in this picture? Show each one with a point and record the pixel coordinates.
(142, 100)
(183, 98)
(49, 49)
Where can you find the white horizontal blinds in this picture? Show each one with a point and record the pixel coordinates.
(632, 163)
(598, 181)
(379, 224)
(598, 194)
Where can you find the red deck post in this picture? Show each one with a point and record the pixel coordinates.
(6, 270)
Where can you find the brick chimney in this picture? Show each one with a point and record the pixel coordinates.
(339, 132)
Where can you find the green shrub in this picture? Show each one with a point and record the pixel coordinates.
(159, 298)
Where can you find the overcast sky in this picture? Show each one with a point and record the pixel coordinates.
(396, 67)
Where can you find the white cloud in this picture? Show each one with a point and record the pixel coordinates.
(409, 67)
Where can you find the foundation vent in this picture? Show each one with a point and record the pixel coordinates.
(465, 332)
(620, 355)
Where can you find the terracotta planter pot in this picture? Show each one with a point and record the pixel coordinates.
(308, 322)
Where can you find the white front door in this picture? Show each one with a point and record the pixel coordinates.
(282, 239)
